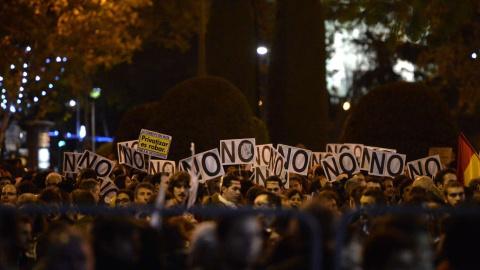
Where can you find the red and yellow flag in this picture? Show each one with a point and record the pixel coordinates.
(468, 162)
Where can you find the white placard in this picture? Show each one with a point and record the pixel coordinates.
(428, 166)
(337, 164)
(238, 151)
(263, 154)
(131, 157)
(70, 160)
(386, 164)
(102, 166)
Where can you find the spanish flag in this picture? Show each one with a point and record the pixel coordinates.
(468, 162)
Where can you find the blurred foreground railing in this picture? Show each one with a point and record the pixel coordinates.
(315, 254)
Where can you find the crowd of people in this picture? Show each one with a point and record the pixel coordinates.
(80, 239)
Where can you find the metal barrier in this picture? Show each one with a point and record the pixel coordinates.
(341, 231)
(311, 223)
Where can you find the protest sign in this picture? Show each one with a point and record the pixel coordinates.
(70, 160)
(260, 174)
(364, 160)
(190, 166)
(238, 151)
(161, 166)
(102, 166)
(337, 148)
(298, 160)
(263, 154)
(209, 164)
(277, 166)
(108, 189)
(317, 157)
(154, 143)
(386, 164)
(356, 148)
(445, 154)
(337, 164)
(428, 166)
(131, 157)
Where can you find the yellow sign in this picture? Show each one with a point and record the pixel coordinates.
(154, 143)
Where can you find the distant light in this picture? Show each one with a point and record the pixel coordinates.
(25, 65)
(56, 78)
(64, 59)
(4, 91)
(346, 106)
(69, 134)
(61, 143)
(48, 60)
(12, 109)
(4, 101)
(59, 59)
(260, 103)
(50, 86)
(21, 88)
(83, 132)
(1, 78)
(1, 84)
(28, 49)
(25, 74)
(95, 93)
(24, 80)
(262, 50)
(44, 93)
(20, 95)
(35, 99)
(37, 78)
(28, 105)
(72, 103)
(62, 69)
(56, 132)
(19, 109)
(19, 101)
(4, 106)
(474, 55)
(3, 96)
(12, 66)
(43, 69)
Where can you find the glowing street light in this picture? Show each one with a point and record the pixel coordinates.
(262, 50)
(346, 106)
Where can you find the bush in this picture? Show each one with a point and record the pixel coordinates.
(133, 121)
(203, 110)
(408, 117)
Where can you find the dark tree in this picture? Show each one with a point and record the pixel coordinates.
(297, 95)
(408, 117)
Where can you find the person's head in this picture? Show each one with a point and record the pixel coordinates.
(230, 188)
(179, 186)
(445, 176)
(405, 187)
(474, 184)
(274, 184)
(252, 194)
(371, 197)
(23, 231)
(239, 241)
(386, 184)
(140, 176)
(158, 179)
(265, 200)
(329, 199)
(9, 194)
(372, 182)
(213, 186)
(424, 182)
(143, 192)
(82, 197)
(5, 181)
(388, 250)
(121, 181)
(355, 196)
(53, 179)
(296, 183)
(86, 173)
(125, 197)
(92, 186)
(454, 193)
(352, 183)
(295, 197)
